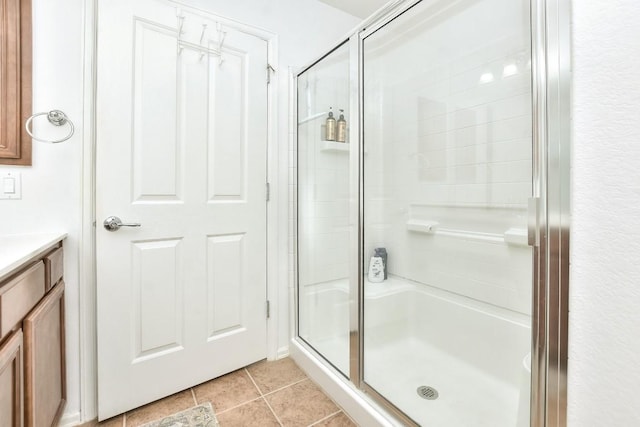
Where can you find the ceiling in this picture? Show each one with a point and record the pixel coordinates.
(359, 8)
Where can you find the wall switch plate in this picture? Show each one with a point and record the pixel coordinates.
(10, 185)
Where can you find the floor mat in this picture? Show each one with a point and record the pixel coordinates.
(198, 416)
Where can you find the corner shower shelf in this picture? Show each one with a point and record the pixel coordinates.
(312, 117)
(334, 146)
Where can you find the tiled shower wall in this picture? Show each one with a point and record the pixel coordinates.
(447, 139)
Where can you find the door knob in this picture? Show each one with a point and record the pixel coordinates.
(113, 223)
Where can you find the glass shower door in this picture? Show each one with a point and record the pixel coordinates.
(447, 164)
(323, 207)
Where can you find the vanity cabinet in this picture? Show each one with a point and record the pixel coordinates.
(11, 382)
(32, 341)
(45, 388)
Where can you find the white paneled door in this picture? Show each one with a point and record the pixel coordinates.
(181, 150)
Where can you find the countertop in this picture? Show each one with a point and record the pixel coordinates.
(17, 249)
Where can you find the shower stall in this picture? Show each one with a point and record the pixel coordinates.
(432, 239)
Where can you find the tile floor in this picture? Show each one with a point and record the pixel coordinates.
(263, 394)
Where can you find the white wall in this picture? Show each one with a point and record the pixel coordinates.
(52, 187)
(604, 320)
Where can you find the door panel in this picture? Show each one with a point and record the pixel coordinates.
(181, 151)
(45, 381)
(157, 309)
(156, 146)
(227, 180)
(225, 256)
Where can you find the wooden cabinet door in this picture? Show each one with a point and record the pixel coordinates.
(45, 382)
(11, 403)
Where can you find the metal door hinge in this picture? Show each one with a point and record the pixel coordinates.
(268, 192)
(268, 309)
(270, 69)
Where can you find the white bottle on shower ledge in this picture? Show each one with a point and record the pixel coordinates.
(376, 270)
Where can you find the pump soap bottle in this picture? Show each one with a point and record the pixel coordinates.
(342, 128)
(331, 127)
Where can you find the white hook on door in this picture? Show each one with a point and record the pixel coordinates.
(221, 37)
(204, 30)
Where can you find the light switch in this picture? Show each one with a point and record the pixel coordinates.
(10, 187)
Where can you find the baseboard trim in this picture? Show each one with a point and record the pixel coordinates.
(283, 352)
(70, 419)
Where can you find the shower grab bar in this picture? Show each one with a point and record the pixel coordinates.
(513, 236)
(471, 235)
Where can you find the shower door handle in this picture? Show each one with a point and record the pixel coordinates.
(113, 223)
(533, 225)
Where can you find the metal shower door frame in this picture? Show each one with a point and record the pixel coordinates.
(551, 82)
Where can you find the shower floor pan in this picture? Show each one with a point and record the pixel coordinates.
(467, 396)
(417, 335)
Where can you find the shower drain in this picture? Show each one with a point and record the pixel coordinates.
(427, 392)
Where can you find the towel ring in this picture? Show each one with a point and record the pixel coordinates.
(56, 118)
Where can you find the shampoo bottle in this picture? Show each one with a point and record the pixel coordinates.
(331, 127)
(342, 128)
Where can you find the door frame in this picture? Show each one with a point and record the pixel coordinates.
(87, 237)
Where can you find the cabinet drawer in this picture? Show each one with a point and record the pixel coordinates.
(19, 296)
(53, 264)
